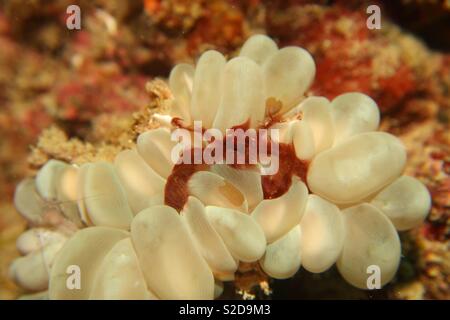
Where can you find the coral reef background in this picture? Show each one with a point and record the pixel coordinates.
(79, 95)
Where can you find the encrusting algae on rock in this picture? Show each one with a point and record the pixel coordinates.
(165, 230)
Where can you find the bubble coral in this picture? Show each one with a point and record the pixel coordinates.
(145, 228)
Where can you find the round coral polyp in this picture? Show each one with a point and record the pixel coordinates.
(162, 222)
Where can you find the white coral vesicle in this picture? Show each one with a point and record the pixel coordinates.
(259, 48)
(353, 113)
(208, 240)
(214, 190)
(104, 197)
(283, 257)
(357, 168)
(148, 227)
(86, 249)
(180, 81)
(287, 75)
(142, 184)
(277, 216)
(28, 203)
(110, 282)
(322, 234)
(242, 96)
(370, 240)
(242, 235)
(173, 266)
(317, 114)
(207, 90)
(155, 147)
(406, 202)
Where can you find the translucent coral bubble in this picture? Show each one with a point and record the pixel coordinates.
(303, 140)
(80, 251)
(214, 190)
(406, 202)
(155, 147)
(56, 183)
(357, 168)
(243, 95)
(172, 265)
(208, 87)
(283, 257)
(80, 191)
(248, 182)
(110, 282)
(67, 193)
(287, 75)
(353, 113)
(47, 178)
(31, 271)
(28, 202)
(36, 238)
(241, 234)
(181, 82)
(370, 240)
(259, 48)
(322, 234)
(104, 197)
(317, 114)
(209, 242)
(278, 216)
(141, 183)
(299, 134)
